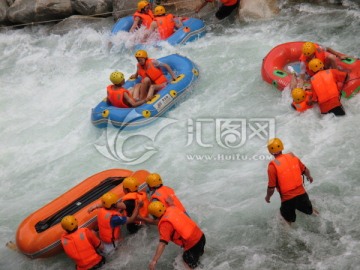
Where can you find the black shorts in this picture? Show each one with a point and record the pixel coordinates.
(338, 111)
(133, 227)
(225, 11)
(301, 203)
(192, 256)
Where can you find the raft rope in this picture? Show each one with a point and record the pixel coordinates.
(93, 15)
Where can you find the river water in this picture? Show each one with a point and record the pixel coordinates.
(49, 83)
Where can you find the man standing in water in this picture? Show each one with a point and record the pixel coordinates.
(285, 174)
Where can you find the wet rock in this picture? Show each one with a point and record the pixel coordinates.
(91, 7)
(3, 8)
(27, 11)
(258, 9)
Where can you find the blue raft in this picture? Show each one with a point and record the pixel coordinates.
(130, 118)
(191, 30)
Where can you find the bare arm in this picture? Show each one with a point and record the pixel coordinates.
(269, 193)
(168, 68)
(132, 102)
(93, 207)
(134, 76)
(159, 251)
(135, 24)
(178, 22)
(337, 54)
(308, 176)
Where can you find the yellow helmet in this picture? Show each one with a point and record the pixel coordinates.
(308, 49)
(142, 4)
(154, 180)
(275, 146)
(117, 77)
(316, 64)
(69, 223)
(159, 10)
(156, 208)
(298, 95)
(141, 54)
(108, 199)
(131, 183)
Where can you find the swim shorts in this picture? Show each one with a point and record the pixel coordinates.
(301, 203)
(192, 256)
(225, 11)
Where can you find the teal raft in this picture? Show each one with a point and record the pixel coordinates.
(131, 118)
(191, 30)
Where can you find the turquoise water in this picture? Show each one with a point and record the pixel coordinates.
(49, 83)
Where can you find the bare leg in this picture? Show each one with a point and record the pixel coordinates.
(151, 92)
(136, 91)
(146, 84)
(315, 212)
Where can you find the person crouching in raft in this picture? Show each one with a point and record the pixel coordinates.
(117, 95)
(164, 23)
(152, 77)
(143, 16)
(301, 99)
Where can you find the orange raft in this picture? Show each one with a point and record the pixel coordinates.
(275, 63)
(39, 234)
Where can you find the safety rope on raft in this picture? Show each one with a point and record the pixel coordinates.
(93, 15)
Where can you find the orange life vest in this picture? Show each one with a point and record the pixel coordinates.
(154, 73)
(162, 193)
(319, 53)
(184, 226)
(138, 196)
(325, 86)
(303, 106)
(116, 96)
(146, 18)
(225, 2)
(166, 25)
(106, 233)
(77, 246)
(229, 2)
(288, 172)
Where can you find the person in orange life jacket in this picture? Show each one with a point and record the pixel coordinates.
(81, 245)
(312, 50)
(325, 87)
(301, 99)
(285, 174)
(164, 194)
(130, 199)
(110, 220)
(153, 78)
(226, 8)
(300, 93)
(117, 95)
(143, 16)
(174, 225)
(164, 23)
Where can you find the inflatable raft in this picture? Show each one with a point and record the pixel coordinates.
(191, 30)
(131, 118)
(39, 234)
(274, 68)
